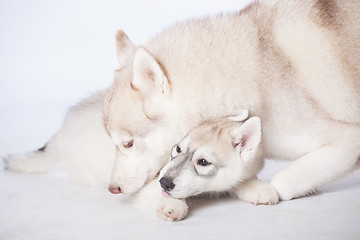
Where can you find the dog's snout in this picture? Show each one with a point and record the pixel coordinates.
(114, 189)
(167, 183)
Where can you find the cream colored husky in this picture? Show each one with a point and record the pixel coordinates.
(295, 64)
(219, 155)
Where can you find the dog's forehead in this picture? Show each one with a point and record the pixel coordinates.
(120, 135)
(205, 151)
(215, 132)
(186, 142)
(123, 110)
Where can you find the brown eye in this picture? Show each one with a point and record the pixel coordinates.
(129, 144)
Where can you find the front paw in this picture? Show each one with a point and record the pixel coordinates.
(257, 192)
(173, 210)
(265, 196)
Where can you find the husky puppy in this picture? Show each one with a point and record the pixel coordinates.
(218, 156)
(295, 64)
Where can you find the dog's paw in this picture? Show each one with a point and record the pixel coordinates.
(311, 192)
(266, 196)
(173, 210)
(258, 192)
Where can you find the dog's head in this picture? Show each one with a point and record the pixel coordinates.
(215, 156)
(136, 116)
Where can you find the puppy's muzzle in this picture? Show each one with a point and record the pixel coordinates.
(167, 184)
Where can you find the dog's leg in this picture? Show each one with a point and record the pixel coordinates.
(319, 167)
(256, 192)
(169, 209)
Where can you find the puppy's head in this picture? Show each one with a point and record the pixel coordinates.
(136, 117)
(215, 156)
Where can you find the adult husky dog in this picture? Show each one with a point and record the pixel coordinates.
(218, 156)
(293, 63)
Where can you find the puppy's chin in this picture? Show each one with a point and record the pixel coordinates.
(174, 195)
(165, 194)
(184, 195)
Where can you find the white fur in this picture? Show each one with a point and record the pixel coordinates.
(241, 116)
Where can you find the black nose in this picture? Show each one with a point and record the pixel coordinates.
(167, 183)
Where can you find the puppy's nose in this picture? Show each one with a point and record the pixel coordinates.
(167, 183)
(114, 189)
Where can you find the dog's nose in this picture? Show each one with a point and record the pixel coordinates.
(114, 189)
(167, 183)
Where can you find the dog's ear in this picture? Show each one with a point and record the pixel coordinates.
(148, 76)
(241, 116)
(247, 136)
(125, 49)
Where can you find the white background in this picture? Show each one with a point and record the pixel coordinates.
(54, 53)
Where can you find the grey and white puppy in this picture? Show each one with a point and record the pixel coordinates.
(219, 155)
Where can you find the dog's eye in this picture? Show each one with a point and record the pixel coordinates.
(203, 163)
(129, 144)
(175, 151)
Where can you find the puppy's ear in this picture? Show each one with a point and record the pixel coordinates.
(148, 76)
(247, 136)
(241, 116)
(125, 49)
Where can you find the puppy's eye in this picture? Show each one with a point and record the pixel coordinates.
(203, 163)
(129, 144)
(175, 151)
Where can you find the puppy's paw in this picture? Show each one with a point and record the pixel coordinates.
(257, 192)
(173, 210)
(267, 195)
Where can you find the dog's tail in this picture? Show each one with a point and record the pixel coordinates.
(40, 161)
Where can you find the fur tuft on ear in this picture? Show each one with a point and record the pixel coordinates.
(148, 75)
(248, 135)
(125, 49)
(241, 116)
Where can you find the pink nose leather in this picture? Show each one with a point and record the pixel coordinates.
(114, 190)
